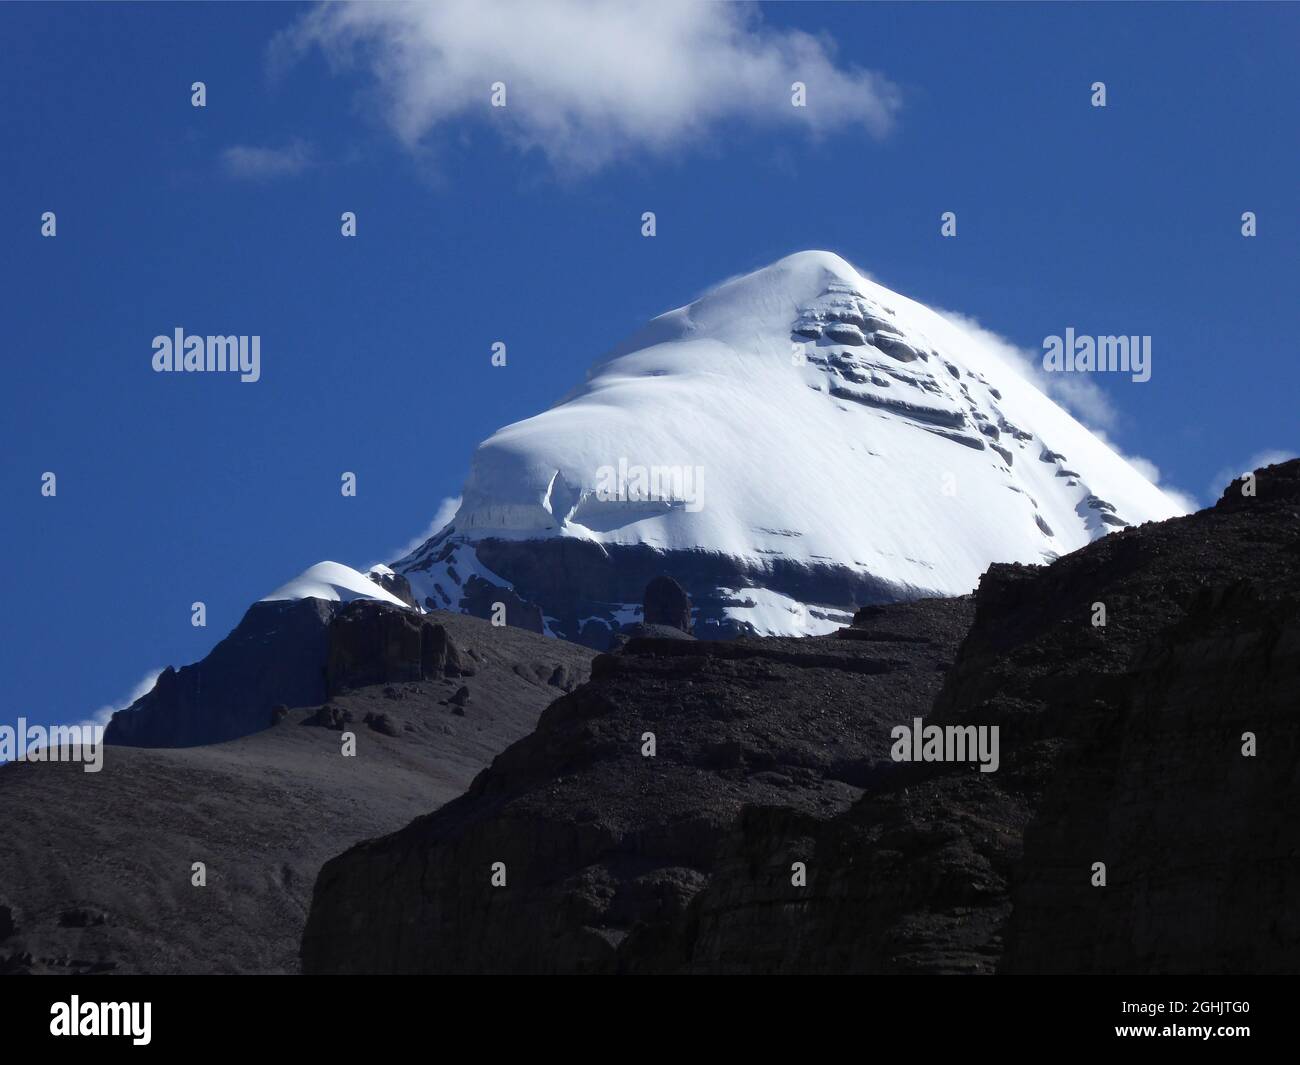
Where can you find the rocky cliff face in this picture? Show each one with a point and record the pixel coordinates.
(286, 654)
(1159, 750)
(274, 656)
(371, 643)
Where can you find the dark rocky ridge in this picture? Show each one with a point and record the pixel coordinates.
(1120, 745)
(285, 654)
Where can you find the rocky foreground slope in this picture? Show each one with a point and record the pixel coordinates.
(1141, 818)
(96, 869)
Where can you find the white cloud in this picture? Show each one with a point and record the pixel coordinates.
(1228, 474)
(588, 81)
(102, 715)
(1080, 395)
(243, 161)
(445, 512)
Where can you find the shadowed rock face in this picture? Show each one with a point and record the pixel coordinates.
(666, 613)
(372, 643)
(667, 604)
(285, 654)
(1120, 745)
(274, 656)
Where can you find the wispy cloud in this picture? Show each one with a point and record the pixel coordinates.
(588, 81)
(1228, 474)
(102, 715)
(445, 512)
(261, 164)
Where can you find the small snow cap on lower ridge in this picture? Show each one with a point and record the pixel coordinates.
(333, 582)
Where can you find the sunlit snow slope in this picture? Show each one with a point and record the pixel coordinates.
(809, 440)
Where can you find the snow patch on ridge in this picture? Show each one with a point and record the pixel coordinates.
(334, 582)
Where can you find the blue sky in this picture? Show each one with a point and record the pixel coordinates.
(476, 226)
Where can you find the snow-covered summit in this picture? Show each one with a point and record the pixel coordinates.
(801, 414)
(334, 582)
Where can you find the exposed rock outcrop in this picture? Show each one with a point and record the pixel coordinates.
(373, 643)
(395, 584)
(666, 603)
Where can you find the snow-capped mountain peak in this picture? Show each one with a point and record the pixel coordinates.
(795, 442)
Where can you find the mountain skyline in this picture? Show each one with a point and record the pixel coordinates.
(176, 489)
(860, 449)
(626, 487)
